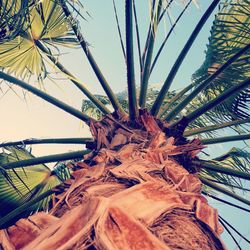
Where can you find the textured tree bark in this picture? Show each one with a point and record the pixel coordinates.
(137, 191)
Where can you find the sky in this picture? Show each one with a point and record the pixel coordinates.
(30, 117)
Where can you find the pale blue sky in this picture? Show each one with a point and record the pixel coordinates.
(38, 119)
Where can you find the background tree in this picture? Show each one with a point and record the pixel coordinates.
(216, 98)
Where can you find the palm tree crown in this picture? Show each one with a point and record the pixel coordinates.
(31, 36)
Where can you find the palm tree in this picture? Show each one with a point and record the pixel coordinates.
(141, 181)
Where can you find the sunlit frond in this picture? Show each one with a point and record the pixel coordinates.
(235, 159)
(229, 34)
(13, 16)
(59, 174)
(46, 22)
(21, 57)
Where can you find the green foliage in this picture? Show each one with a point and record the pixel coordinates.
(235, 159)
(45, 22)
(20, 185)
(31, 32)
(229, 34)
(13, 16)
(91, 110)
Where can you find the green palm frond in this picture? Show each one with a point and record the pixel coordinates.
(46, 23)
(49, 24)
(21, 57)
(21, 185)
(235, 159)
(21, 181)
(92, 110)
(12, 217)
(212, 187)
(48, 184)
(61, 171)
(13, 16)
(229, 34)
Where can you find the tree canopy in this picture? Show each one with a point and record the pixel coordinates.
(32, 37)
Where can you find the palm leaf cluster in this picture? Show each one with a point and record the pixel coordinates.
(13, 15)
(19, 185)
(45, 23)
(217, 98)
(235, 159)
(229, 34)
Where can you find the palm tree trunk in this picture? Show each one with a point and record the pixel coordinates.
(135, 193)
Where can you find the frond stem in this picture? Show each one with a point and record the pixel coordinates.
(220, 169)
(215, 127)
(165, 9)
(174, 99)
(224, 191)
(119, 30)
(132, 100)
(45, 159)
(148, 58)
(158, 102)
(226, 139)
(229, 232)
(137, 36)
(234, 229)
(204, 84)
(113, 99)
(65, 107)
(73, 79)
(228, 184)
(34, 141)
(167, 36)
(226, 202)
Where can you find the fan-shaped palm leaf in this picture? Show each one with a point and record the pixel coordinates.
(20, 182)
(47, 23)
(19, 185)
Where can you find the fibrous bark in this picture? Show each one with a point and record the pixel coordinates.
(137, 190)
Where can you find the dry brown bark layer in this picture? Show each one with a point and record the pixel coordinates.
(136, 191)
